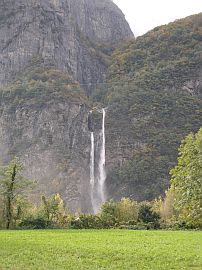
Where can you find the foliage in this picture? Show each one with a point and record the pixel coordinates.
(108, 213)
(1, 212)
(148, 216)
(154, 88)
(100, 249)
(186, 179)
(39, 85)
(35, 223)
(53, 209)
(50, 214)
(168, 50)
(114, 213)
(12, 186)
(127, 211)
(86, 221)
(165, 206)
(144, 174)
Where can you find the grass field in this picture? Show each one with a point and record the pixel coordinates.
(113, 249)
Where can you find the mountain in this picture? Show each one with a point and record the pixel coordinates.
(59, 59)
(74, 36)
(48, 48)
(153, 96)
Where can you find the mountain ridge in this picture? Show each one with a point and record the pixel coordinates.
(151, 86)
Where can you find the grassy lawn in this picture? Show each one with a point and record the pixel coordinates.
(113, 249)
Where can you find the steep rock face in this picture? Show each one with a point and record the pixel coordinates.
(153, 96)
(60, 33)
(46, 46)
(100, 21)
(48, 131)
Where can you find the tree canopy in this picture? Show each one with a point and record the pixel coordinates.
(186, 179)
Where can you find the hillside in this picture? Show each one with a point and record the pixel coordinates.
(48, 48)
(153, 95)
(54, 55)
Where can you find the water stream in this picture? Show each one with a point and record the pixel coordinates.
(97, 182)
(102, 172)
(92, 169)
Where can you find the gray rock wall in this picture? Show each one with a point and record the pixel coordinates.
(53, 141)
(50, 134)
(61, 33)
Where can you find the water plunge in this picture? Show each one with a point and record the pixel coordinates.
(92, 169)
(97, 183)
(102, 173)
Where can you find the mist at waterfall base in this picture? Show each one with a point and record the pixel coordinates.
(97, 182)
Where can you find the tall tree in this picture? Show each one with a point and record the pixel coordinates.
(186, 179)
(54, 208)
(12, 185)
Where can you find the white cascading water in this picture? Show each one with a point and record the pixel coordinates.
(92, 169)
(97, 183)
(102, 173)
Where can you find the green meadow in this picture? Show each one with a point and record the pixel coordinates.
(104, 249)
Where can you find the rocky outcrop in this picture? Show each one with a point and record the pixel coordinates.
(193, 87)
(46, 47)
(153, 96)
(51, 138)
(101, 21)
(66, 34)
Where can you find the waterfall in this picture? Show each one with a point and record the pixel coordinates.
(102, 173)
(97, 177)
(92, 161)
(92, 169)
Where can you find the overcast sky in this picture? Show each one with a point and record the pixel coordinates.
(144, 15)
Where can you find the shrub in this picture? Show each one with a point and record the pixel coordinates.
(109, 214)
(36, 223)
(85, 221)
(147, 215)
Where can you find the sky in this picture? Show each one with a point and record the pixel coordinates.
(144, 15)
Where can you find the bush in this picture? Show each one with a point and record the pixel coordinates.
(147, 215)
(109, 214)
(36, 223)
(86, 222)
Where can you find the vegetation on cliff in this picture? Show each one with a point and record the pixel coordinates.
(38, 85)
(153, 95)
(154, 86)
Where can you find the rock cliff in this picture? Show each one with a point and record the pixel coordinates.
(47, 128)
(53, 54)
(46, 47)
(67, 34)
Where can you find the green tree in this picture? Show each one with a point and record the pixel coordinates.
(1, 212)
(165, 206)
(146, 214)
(22, 209)
(54, 208)
(186, 180)
(12, 185)
(127, 210)
(108, 213)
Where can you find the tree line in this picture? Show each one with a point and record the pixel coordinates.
(180, 208)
